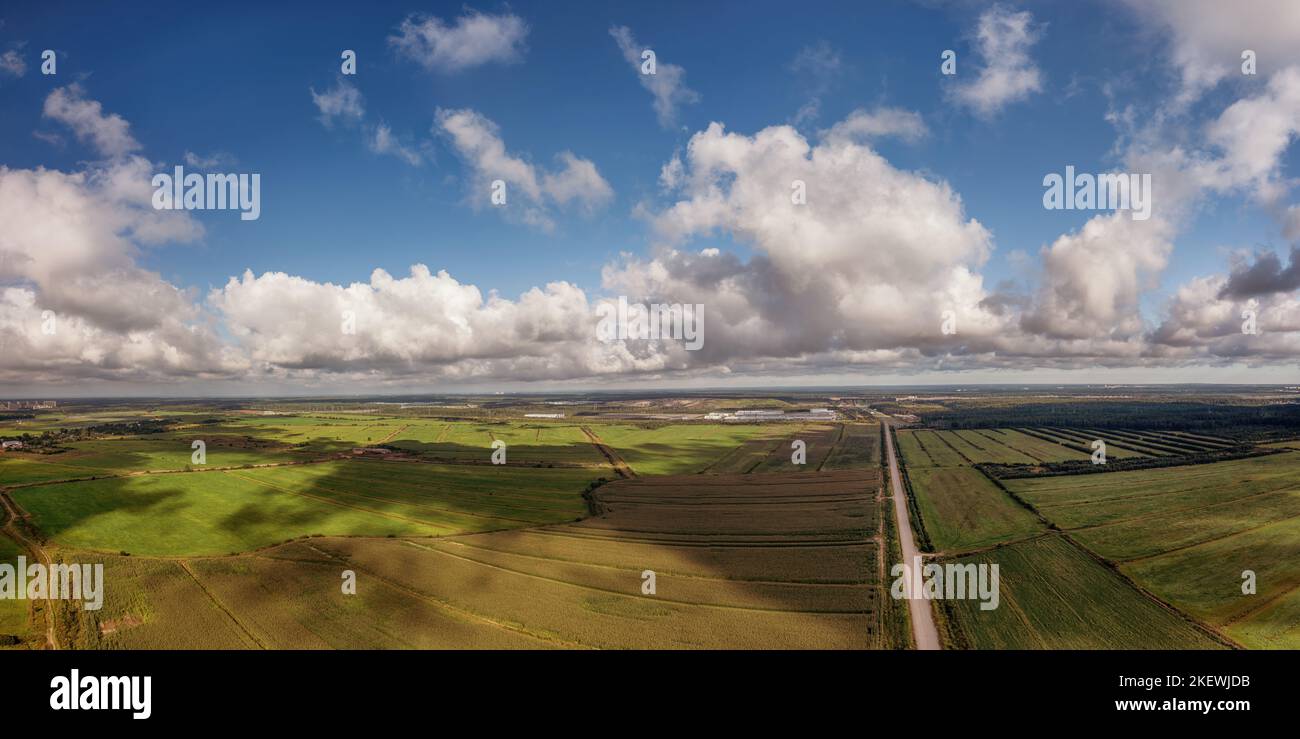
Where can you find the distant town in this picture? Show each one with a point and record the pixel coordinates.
(821, 414)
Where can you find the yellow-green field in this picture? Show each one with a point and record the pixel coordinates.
(1183, 534)
(1189, 533)
(1053, 596)
(739, 561)
(247, 549)
(547, 550)
(221, 512)
(14, 620)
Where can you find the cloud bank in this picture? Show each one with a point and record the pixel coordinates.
(862, 274)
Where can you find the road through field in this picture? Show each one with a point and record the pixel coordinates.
(16, 533)
(923, 630)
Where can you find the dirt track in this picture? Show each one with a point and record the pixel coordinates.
(14, 530)
(923, 629)
(621, 468)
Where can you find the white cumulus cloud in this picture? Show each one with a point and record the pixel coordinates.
(477, 140)
(110, 134)
(1007, 74)
(342, 102)
(474, 39)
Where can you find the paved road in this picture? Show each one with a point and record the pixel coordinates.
(923, 630)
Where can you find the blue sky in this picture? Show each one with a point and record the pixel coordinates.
(237, 84)
(242, 89)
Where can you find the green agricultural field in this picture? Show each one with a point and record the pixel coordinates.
(1206, 581)
(1033, 447)
(1082, 440)
(52, 421)
(679, 449)
(914, 454)
(591, 612)
(529, 443)
(152, 604)
(795, 568)
(963, 510)
(971, 451)
(819, 442)
(14, 614)
(747, 456)
(288, 602)
(495, 493)
(1054, 596)
(197, 513)
(1138, 513)
(103, 458)
(454, 552)
(1187, 533)
(311, 433)
(990, 447)
(740, 561)
(940, 451)
(858, 448)
(960, 508)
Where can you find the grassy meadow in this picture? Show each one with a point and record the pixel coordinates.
(1187, 534)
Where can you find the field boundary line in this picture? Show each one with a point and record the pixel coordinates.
(184, 565)
(1261, 606)
(882, 554)
(389, 438)
(15, 514)
(776, 444)
(849, 533)
(402, 458)
(620, 466)
(1111, 499)
(147, 473)
(722, 502)
(957, 433)
(553, 530)
(1016, 608)
(1187, 470)
(49, 463)
(657, 598)
(948, 444)
(779, 479)
(679, 575)
(1205, 628)
(992, 547)
(917, 438)
(1211, 540)
(1187, 509)
(838, 441)
(1008, 447)
(457, 611)
(1113, 566)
